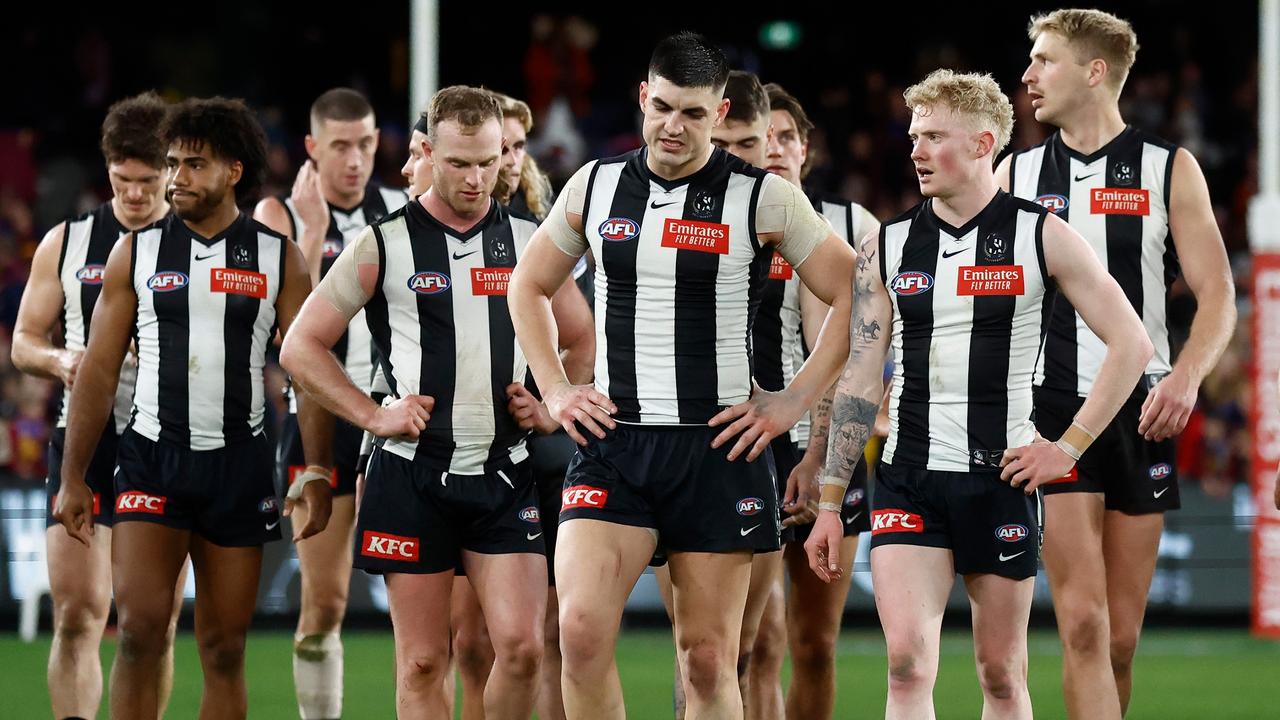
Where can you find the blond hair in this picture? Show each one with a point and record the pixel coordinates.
(1093, 34)
(534, 184)
(974, 95)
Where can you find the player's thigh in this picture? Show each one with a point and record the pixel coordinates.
(1130, 545)
(597, 565)
(325, 558)
(1000, 609)
(226, 587)
(511, 588)
(1073, 549)
(709, 594)
(419, 605)
(465, 614)
(79, 576)
(766, 569)
(911, 584)
(146, 559)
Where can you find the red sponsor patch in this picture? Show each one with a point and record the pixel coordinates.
(696, 235)
(780, 269)
(490, 281)
(296, 470)
(990, 280)
(1119, 201)
(136, 501)
(238, 282)
(1071, 476)
(389, 547)
(889, 520)
(580, 496)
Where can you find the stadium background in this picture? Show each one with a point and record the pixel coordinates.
(1195, 82)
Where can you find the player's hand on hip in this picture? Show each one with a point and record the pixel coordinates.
(69, 366)
(800, 501)
(308, 198)
(756, 422)
(406, 417)
(1031, 466)
(823, 546)
(317, 497)
(528, 411)
(74, 509)
(580, 404)
(1168, 407)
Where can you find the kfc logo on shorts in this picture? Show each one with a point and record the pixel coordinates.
(893, 520)
(135, 501)
(530, 514)
(1053, 203)
(580, 496)
(91, 274)
(1011, 533)
(619, 229)
(389, 547)
(1071, 476)
(911, 283)
(1160, 471)
(750, 506)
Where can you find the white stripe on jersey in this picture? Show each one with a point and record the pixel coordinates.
(147, 395)
(895, 237)
(733, 365)
(1154, 231)
(207, 365)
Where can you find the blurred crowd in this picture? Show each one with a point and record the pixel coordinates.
(50, 170)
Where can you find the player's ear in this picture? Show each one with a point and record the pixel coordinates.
(985, 142)
(309, 143)
(722, 111)
(235, 171)
(1098, 70)
(644, 94)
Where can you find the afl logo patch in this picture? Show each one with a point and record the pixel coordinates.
(750, 506)
(167, 281)
(429, 283)
(269, 505)
(1160, 471)
(619, 229)
(1011, 533)
(911, 283)
(91, 274)
(530, 514)
(1053, 203)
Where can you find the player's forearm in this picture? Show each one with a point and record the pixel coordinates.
(853, 418)
(1211, 330)
(315, 369)
(535, 328)
(828, 356)
(35, 355)
(90, 406)
(1126, 359)
(820, 425)
(311, 243)
(316, 426)
(578, 359)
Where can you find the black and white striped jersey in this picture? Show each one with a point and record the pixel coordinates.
(1118, 199)
(354, 349)
(441, 327)
(679, 270)
(206, 315)
(968, 310)
(82, 263)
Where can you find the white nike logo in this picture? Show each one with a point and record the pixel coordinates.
(856, 515)
(1157, 494)
(745, 531)
(535, 536)
(1007, 559)
(272, 525)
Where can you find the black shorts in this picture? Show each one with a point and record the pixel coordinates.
(290, 462)
(550, 456)
(669, 478)
(98, 477)
(988, 525)
(855, 511)
(1135, 475)
(785, 458)
(225, 495)
(418, 519)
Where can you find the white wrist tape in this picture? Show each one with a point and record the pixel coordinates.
(311, 474)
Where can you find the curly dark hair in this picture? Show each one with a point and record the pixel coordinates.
(129, 130)
(230, 131)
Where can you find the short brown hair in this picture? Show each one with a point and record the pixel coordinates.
(468, 106)
(513, 108)
(747, 99)
(780, 99)
(131, 130)
(341, 104)
(1092, 34)
(975, 95)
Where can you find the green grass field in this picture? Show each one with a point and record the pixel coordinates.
(1200, 674)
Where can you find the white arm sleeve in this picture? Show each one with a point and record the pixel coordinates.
(783, 209)
(571, 201)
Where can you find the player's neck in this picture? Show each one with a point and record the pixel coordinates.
(217, 221)
(675, 172)
(444, 212)
(1091, 126)
(346, 201)
(161, 210)
(958, 209)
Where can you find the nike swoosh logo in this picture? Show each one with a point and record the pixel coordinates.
(533, 537)
(456, 256)
(855, 517)
(746, 531)
(946, 254)
(1007, 559)
(655, 204)
(1158, 494)
(272, 525)
(201, 258)
(1082, 178)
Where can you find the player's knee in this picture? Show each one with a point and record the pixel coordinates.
(580, 638)
(222, 654)
(473, 651)
(141, 636)
(1124, 646)
(1001, 678)
(744, 662)
(908, 668)
(1084, 630)
(422, 668)
(519, 656)
(327, 611)
(706, 666)
(813, 651)
(78, 621)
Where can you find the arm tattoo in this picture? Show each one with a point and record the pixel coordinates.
(821, 415)
(851, 424)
